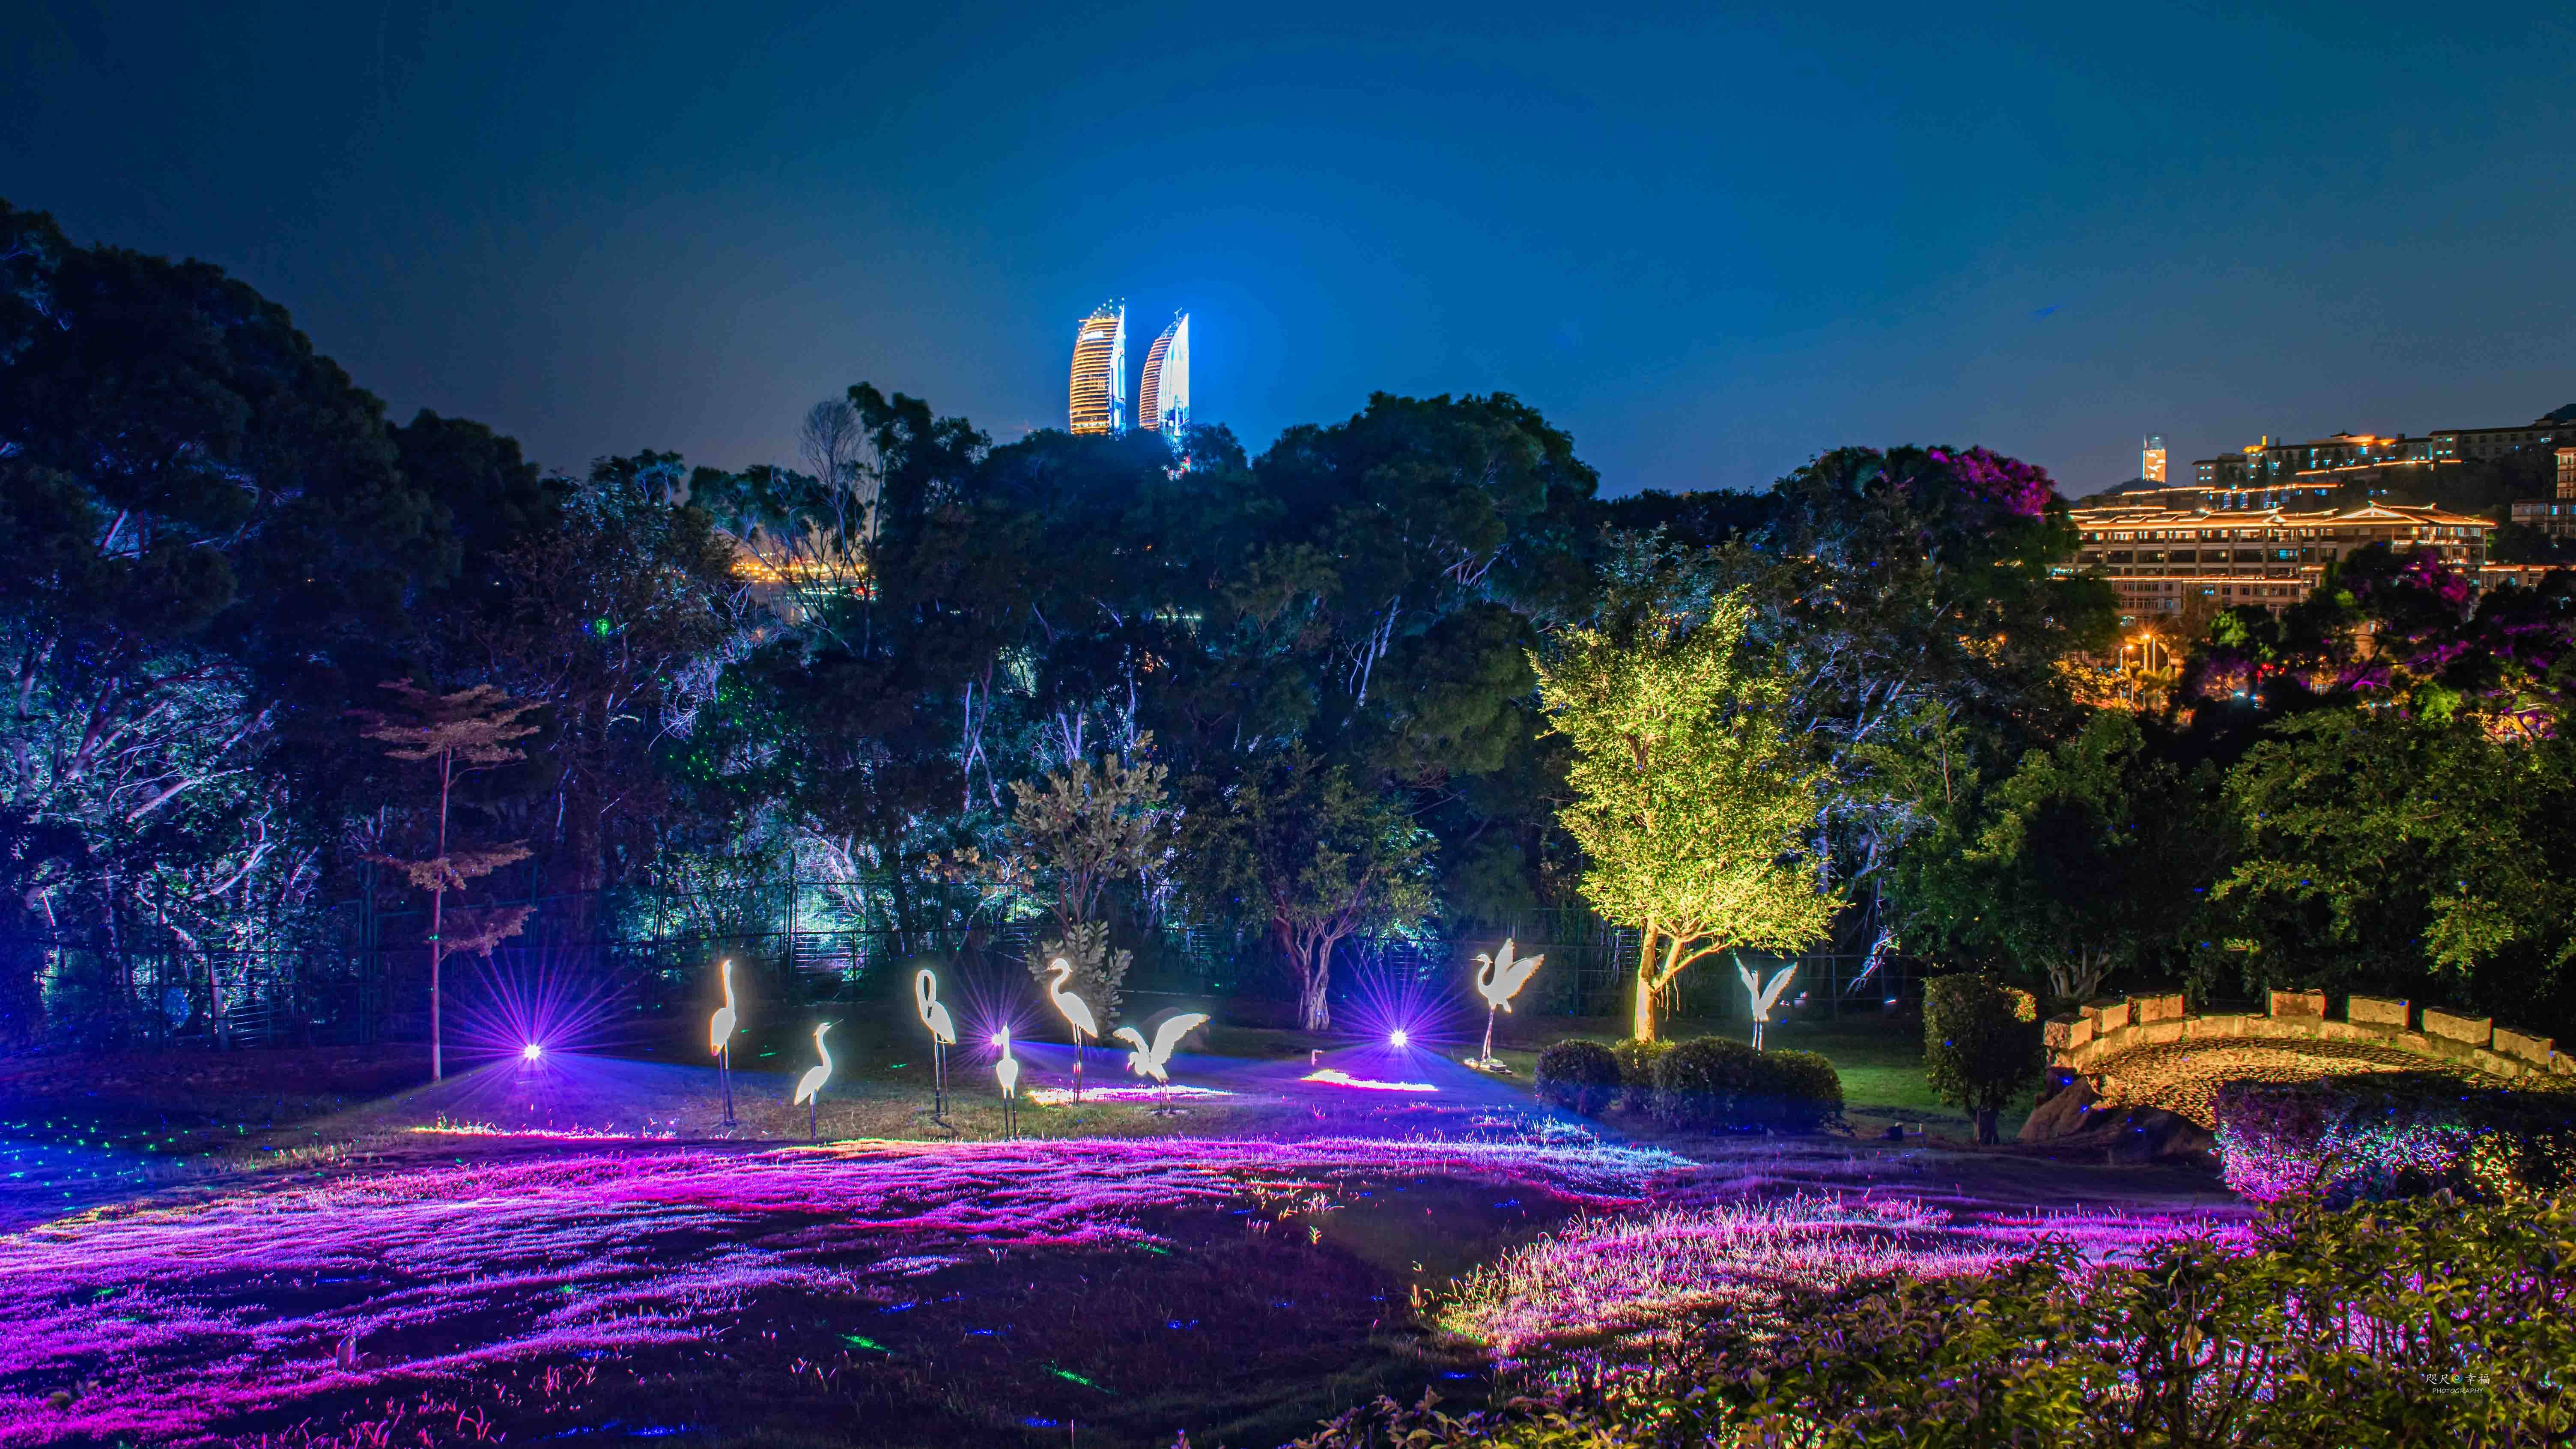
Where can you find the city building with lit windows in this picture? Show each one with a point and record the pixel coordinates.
(2270, 474)
(2556, 515)
(2157, 558)
(1163, 401)
(2151, 459)
(1099, 390)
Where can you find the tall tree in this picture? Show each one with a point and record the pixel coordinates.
(1302, 846)
(1690, 801)
(455, 735)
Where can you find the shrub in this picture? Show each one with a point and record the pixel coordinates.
(2383, 1135)
(1579, 1076)
(1798, 1091)
(1637, 1072)
(1706, 1083)
(1983, 1044)
(2429, 1322)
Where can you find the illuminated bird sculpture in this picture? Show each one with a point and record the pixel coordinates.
(720, 1038)
(1153, 1061)
(809, 1087)
(1764, 997)
(943, 1035)
(1007, 1072)
(1498, 980)
(1077, 1014)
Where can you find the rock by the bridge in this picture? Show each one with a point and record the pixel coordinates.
(2471, 1030)
(2377, 1012)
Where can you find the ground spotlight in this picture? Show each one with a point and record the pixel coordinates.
(531, 1052)
(1396, 1038)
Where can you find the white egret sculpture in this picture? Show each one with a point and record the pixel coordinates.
(1498, 980)
(809, 1087)
(1007, 1072)
(1076, 1012)
(720, 1038)
(1155, 1060)
(943, 1035)
(1764, 997)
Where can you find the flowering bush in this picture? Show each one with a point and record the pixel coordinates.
(2394, 1134)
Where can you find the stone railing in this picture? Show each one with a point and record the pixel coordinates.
(2080, 1043)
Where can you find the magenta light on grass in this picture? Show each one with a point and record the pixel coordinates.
(181, 1315)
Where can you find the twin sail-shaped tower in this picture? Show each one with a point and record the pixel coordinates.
(1099, 392)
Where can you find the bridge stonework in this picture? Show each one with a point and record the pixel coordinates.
(2080, 1041)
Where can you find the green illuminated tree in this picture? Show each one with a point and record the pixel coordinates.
(1689, 802)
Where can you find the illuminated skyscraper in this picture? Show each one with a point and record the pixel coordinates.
(2151, 460)
(1163, 403)
(1099, 402)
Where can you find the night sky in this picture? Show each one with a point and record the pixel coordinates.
(1709, 243)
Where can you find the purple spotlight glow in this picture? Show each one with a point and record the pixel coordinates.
(531, 1052)
(1396, 1038)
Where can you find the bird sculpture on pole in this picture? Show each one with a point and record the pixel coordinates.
(1155, 1060)
(809, 1087)
(720, 1038)
(1076, 1012)
(1498, 980)
(943, 1035)
(1007, 1072)
(1764, 997)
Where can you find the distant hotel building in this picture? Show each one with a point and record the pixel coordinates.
(1099, 394)
(2156, 557)
(2273, 475)
(1163, 403)
(2554, 516)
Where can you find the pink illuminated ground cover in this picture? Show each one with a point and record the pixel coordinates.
(179, 1316)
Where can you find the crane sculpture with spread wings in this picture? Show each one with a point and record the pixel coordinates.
(1764, 997)
(1155, 1060)
(1498, 980)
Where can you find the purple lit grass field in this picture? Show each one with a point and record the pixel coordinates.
(505, 1259)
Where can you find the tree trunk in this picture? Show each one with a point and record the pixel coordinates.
(1317, 1013)
(1644, 1028)
(1986, 1133)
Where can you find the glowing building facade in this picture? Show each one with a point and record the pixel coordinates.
(1163, 402)
(2151, 459)
(1099, 394)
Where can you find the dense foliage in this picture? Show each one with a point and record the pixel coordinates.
(2430, 1322)
(1579, 1076)
(1392, 676)
(1715, 1083)
(1981, 1044)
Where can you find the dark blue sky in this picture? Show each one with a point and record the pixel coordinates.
(1708, 242)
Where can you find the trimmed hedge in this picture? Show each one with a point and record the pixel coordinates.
(1579, 1076)
(1808, 1094)
(2381, 1135)
(1717, 1082)
(1637, 1072)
